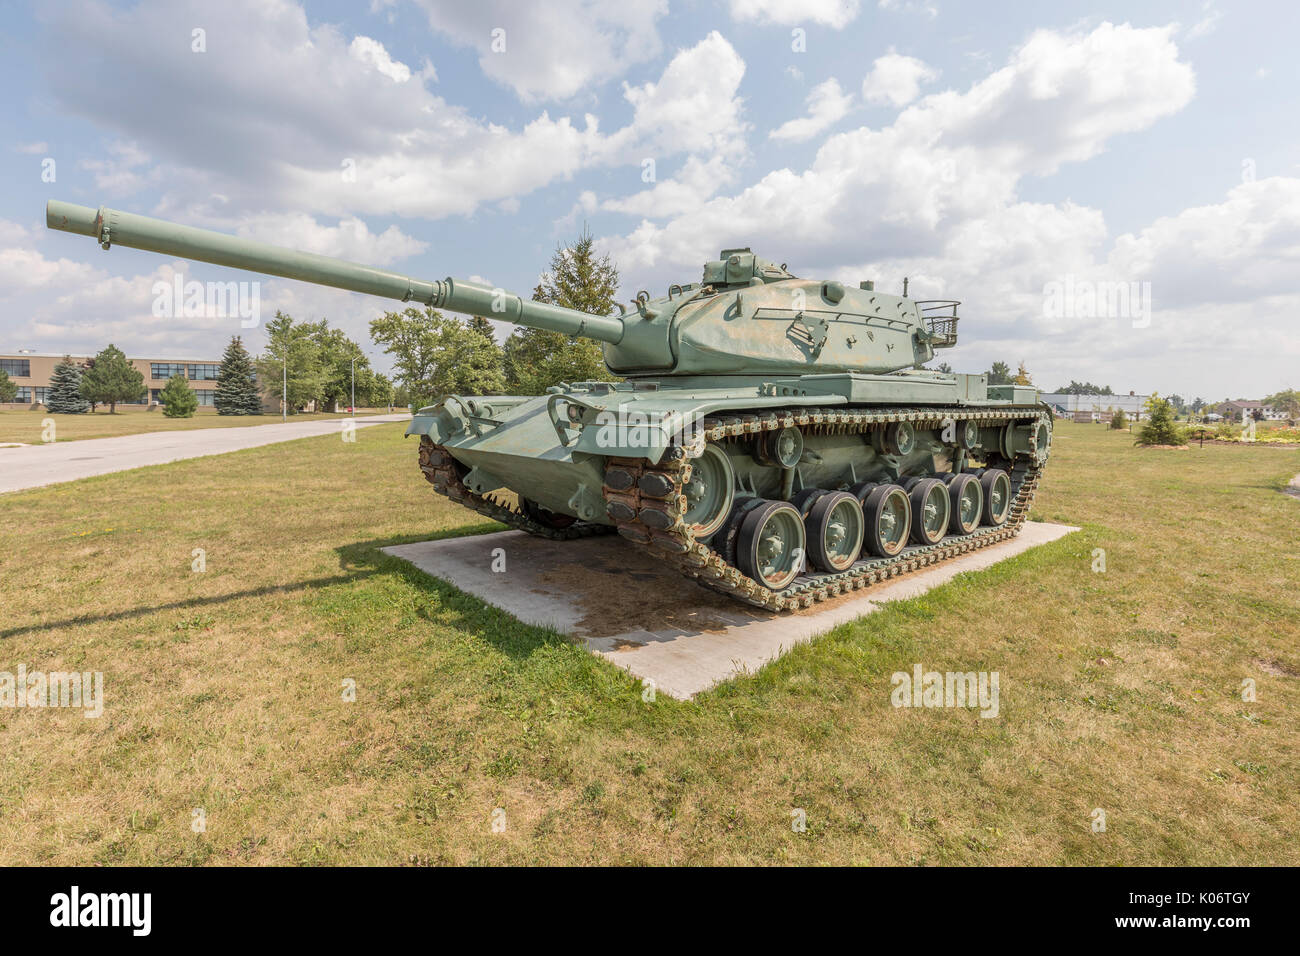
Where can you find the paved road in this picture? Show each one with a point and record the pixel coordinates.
(37, 465)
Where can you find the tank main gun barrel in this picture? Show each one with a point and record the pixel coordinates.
(111, 227)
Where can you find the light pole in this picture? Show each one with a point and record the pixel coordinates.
(284, 389)
(353, 407)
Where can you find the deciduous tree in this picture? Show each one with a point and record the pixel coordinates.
(291, 346)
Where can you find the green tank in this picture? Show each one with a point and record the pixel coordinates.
(774, 438)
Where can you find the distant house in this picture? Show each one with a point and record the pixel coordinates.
(1235, 410)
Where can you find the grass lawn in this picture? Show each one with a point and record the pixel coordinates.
(1119, 690)
(26, 426)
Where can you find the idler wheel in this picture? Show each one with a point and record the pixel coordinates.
(835, 528)
(930, 510)
(770, 546)
(996, 485)
(710, 491)
(887, 512)
(966, 501)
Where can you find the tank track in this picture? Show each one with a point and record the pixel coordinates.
(648, 505)
(441, 471)
(651, 496)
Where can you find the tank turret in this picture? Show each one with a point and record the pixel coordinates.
(746, 316)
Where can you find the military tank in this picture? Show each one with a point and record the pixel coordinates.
(775, 438)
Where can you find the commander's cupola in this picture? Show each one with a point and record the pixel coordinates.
(740, 267)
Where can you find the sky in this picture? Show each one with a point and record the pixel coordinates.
(1111, 189)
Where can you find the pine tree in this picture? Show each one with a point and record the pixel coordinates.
(65, 390)
(237, 392)
(178, 399)
(482, 326)
(112, 379)
(1118, 420)
(8, 389)
(1159, 428)
(537, 358)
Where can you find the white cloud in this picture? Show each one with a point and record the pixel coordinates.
(948, 159)
(692, 108)
(373, 53)
(119, 174)
(896, 79)
(910, 6)
(827, 105)
(934, 197)
(32, 149)
(1208, 23)
(555, 50)
(696, 182)
(832, 13)
(334, 132)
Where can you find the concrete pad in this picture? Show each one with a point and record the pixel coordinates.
(33, 466)
(626, 606)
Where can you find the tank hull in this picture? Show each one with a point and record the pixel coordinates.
(516, 445)
(634, 457)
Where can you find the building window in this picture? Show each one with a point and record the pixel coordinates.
(206, 395)
(204, 373)
(24, 396)
(164, 370)
(42, 395)
(16, 368)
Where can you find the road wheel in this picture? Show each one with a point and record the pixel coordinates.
(770, 546)
(966, 501)
(835, 530)
(996, 485)
(930, 510)
(887, 512)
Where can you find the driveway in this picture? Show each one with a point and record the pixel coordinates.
(35, 465)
